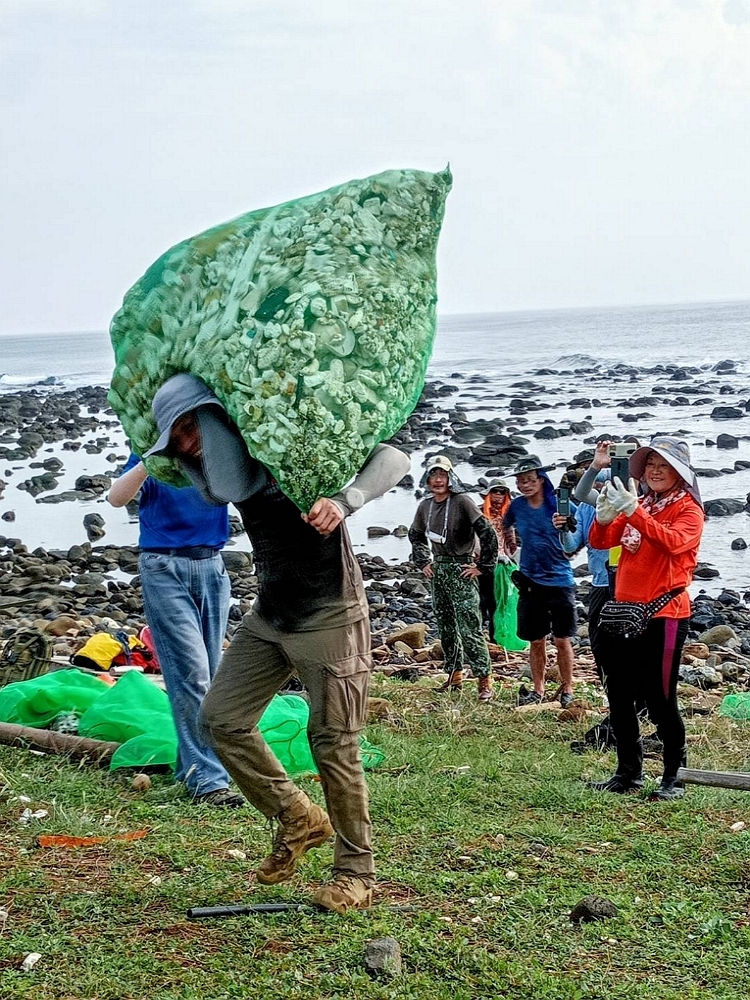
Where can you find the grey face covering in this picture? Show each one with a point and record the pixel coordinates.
(226, 472)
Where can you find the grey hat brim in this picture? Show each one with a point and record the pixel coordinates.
(162, 444)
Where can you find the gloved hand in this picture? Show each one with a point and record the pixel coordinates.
(605, 512)
(623, 499)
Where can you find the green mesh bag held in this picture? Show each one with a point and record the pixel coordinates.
(312, 321)
(506, 605)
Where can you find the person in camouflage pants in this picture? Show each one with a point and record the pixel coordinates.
(443, 535)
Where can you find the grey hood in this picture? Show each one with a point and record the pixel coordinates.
(226, 472)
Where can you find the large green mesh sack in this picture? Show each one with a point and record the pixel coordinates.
(312, 321)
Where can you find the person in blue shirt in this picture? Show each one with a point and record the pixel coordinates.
(546, 600)
(186, 594)
(572, 542)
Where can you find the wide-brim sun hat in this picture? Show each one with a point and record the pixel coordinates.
(676, 453)
(585, 457)
(531, 463)
(177, 396)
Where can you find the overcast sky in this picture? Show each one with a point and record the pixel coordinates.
(599, 147)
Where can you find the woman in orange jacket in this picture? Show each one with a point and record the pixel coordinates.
(496, 500)
(660, 534)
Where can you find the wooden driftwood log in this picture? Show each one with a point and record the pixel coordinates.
(717, 779)
(61, 744)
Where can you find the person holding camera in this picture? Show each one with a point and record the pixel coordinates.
(442, 536)
(546, 600)
(660, 534)
(586, 486)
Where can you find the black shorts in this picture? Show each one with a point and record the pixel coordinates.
(542, 610)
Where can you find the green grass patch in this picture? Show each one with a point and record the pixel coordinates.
(483, 824)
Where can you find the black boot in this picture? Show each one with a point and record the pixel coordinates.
(670, 787)
(629, 774)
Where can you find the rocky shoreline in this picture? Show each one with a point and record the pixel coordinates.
(85, 587)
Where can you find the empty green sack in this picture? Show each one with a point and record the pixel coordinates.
(38, 700)
(736, 706)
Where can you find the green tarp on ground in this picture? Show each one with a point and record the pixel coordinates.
(312, 321)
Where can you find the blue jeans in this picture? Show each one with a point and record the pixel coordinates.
(187, 608)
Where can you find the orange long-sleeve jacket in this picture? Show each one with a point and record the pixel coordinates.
(665, 559)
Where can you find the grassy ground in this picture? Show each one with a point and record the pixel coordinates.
(482, 823)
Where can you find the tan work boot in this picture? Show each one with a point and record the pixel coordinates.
(344, 892)
(454, 683)
(485, 688)
(301, 827)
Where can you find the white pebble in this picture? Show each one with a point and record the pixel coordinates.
(511, 876)
(736, 827)
(237, 854)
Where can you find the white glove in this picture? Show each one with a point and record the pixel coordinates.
(605, 512)
(623, 499)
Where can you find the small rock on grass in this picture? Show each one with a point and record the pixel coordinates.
(383, 958)
(593, 908)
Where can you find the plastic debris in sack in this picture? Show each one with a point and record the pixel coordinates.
(312, 321)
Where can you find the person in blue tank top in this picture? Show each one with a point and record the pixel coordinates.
(546, 600)
(186, 595)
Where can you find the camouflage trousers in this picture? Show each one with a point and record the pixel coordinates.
(455, 601)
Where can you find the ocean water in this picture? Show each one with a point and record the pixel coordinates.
(562, 359)
(695, 334)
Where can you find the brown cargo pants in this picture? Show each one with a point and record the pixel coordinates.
(334, 666)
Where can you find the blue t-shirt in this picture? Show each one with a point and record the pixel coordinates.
(172, 518)
(542, 556)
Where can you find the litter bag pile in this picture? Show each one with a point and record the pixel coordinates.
(136, 713)
(312, 321)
